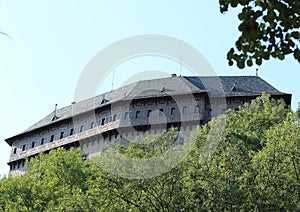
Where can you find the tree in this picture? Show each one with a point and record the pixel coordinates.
(256, 164)
(165, 192)
(298, 111)
(53, 182)
(276, 169)
(255, 167)
(269, 28)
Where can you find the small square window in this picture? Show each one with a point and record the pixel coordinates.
(138, 114)
(197, 109)
(24, 147)
(42, 141)
(61, 135)
(173, 111)
(52, 138)
(115, 117)
(148, 113)
(81, 128)
(126, 116)
(92, 125)
(184, 109)
(15, 150)
(71, 131)
(161, 112)
(210, 113)
(102, 121)
(33, 144)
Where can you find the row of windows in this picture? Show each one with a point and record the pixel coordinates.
(43, 141)
(173, 111)
(61, 136)
(17, 165)
(138, 114)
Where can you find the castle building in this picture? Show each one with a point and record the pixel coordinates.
(139, 109)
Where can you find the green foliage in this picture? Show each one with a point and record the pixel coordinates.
(237, 176)
(254, 167)
(269, 28)
(53, 182)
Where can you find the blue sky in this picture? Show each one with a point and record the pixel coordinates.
(54, 40)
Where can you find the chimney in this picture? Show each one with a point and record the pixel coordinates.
(173, 75)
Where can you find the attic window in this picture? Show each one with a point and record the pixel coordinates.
(104, 100)
(163, 89)
(54, 118)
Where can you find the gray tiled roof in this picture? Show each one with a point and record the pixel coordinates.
(232, 85)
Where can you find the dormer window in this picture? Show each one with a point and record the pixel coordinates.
(234, 88)
(55, 117)
(104, 100)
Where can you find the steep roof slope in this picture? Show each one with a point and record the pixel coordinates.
(215, 85)
(234, 85)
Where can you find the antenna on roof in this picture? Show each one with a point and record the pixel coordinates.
(180, 65)
(257, 72)
(112, 80)
(55, 109)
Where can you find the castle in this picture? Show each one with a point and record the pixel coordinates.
(142, 108)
